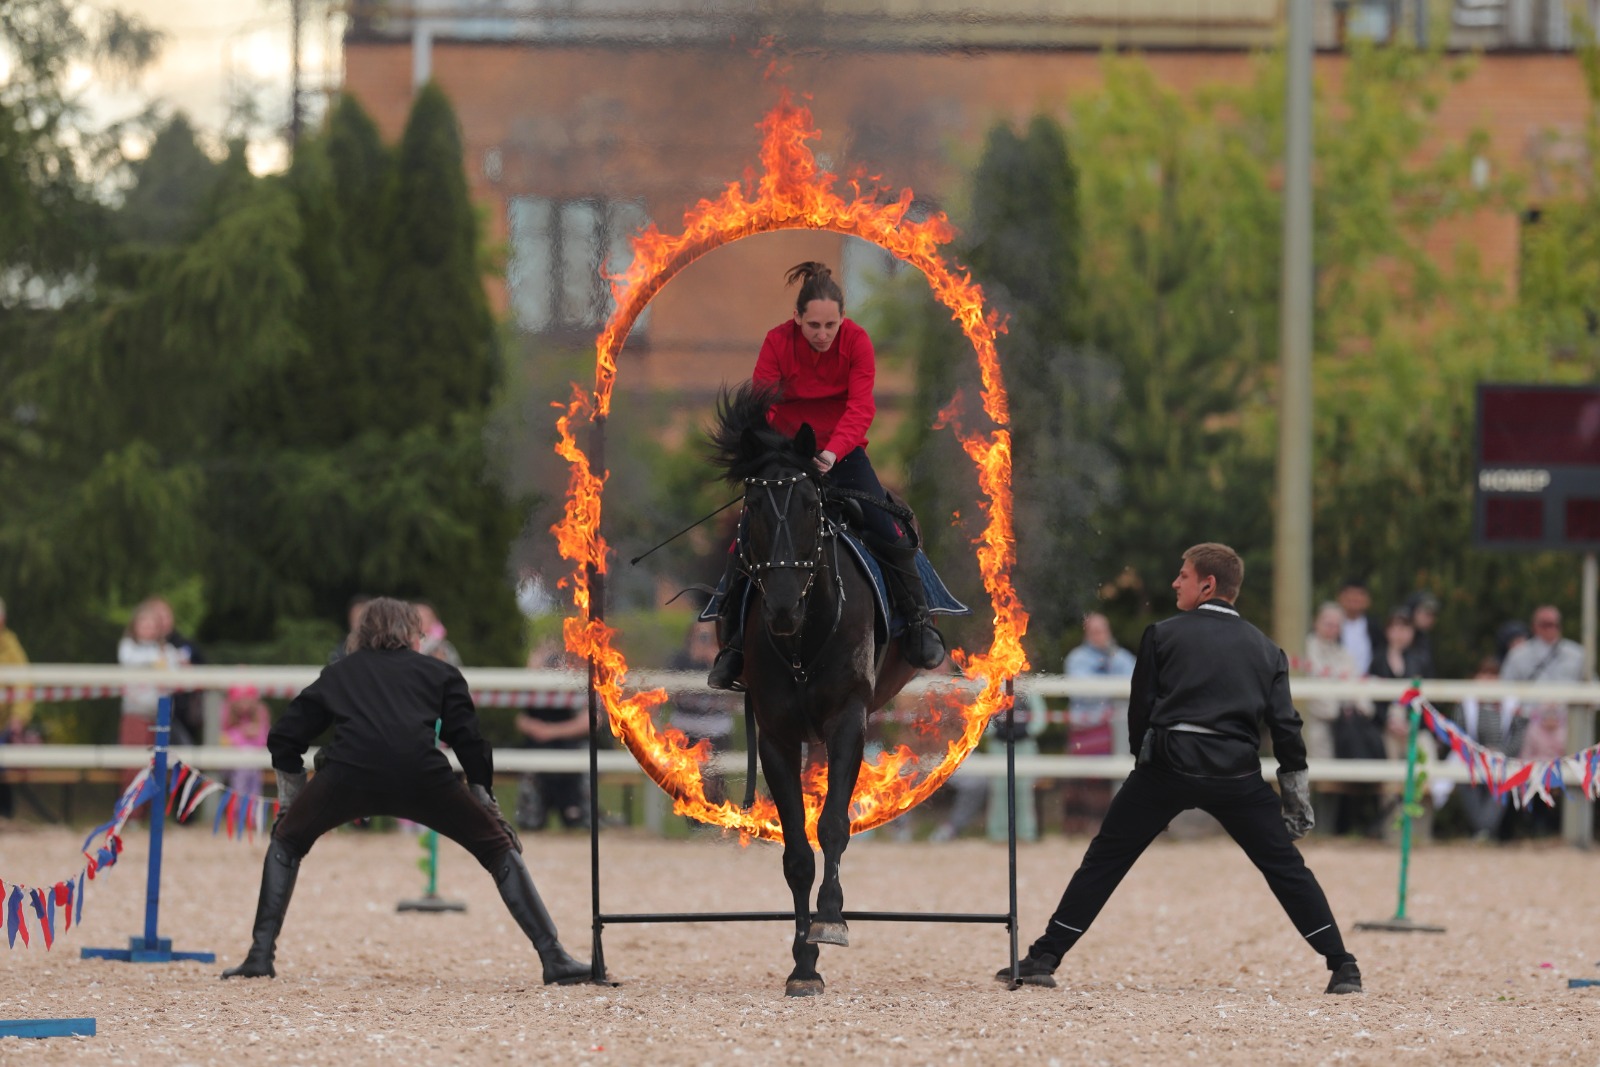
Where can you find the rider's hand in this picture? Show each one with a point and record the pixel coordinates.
(825, 461)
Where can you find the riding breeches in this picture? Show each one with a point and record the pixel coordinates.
(854, 470)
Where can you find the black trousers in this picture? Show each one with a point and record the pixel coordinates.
(1150, 799)
(337, 794)
(853, 470)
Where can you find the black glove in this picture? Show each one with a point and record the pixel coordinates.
(290, 785)
(486, 798)
(1295, 787)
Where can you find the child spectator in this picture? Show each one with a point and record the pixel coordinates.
(245, 724)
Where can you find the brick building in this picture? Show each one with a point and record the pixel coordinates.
(584, 118)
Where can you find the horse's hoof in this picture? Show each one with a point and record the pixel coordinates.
(822, 933)
(803, 987)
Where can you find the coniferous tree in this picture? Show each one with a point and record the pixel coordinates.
(438, 347)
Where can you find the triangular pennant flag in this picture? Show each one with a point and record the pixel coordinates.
(5, 925)
(35, 899)
(63, 900)
(206, 788)
(175, 782)
(16, 926)
(191, 783)
(242, 814)
(77, 905)
(221, 817)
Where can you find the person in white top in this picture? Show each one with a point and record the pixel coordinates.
(1358, 631)
(143, 645)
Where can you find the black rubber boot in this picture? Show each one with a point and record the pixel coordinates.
(920, 642)
(522, 901)
(278, 873)
(727, 671)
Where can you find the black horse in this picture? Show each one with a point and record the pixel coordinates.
(813, 670)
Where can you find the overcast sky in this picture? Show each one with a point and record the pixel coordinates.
(214, 48)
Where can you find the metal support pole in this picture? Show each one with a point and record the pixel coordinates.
(158, 821)
(1577, 810)
(1291, 553)
(597, 613)
(1400, 923)
(1011, 823)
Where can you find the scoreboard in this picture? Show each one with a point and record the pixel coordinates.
(1538, 467)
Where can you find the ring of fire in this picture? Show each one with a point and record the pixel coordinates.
(792, 193)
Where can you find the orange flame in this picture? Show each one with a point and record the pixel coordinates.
(792, 193)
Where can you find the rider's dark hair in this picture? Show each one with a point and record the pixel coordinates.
(818, 284)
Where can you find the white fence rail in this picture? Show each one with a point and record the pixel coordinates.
(504, 687)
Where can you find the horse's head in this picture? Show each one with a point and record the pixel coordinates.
(783, 519)
(784, 534)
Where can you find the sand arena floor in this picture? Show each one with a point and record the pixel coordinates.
(1191, 962)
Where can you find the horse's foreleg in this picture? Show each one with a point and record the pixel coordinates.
(845, 746)
(780, 765)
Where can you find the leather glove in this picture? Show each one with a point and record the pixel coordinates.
(290, 785)
(1295, 787)
(486, 798)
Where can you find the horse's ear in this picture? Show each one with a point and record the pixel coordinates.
(805, 442)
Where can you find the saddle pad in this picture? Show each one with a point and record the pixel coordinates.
(940, 600)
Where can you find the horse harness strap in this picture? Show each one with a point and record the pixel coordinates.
(783, 539)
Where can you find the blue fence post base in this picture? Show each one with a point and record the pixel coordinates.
(46, 1027)
(144, 950)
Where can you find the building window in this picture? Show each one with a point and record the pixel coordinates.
(558, 249)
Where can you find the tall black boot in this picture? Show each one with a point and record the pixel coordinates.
(727, 671)
(522, 901)
(278, 873)
(920, 644)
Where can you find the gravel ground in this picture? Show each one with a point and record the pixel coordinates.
(1192, 960)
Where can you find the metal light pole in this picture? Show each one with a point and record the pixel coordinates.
(1291, 594)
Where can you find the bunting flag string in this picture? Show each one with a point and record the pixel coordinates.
(240, 815)
(1509, 779)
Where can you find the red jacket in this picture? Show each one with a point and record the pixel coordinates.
(831, 390)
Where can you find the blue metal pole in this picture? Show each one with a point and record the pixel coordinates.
(158, 819)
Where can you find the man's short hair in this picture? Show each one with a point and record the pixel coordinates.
(1221, 563)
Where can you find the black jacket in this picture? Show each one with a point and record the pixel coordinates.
(1210, 668)
(382, 706)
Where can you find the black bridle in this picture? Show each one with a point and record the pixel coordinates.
(785, 553)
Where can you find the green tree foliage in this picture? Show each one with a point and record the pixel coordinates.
(360, 464)
(192, 418)
(171, 187)
(440, 351)
(1173, 387)
(1023, 242)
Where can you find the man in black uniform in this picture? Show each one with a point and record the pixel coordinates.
(383, 700)
(1204, 683)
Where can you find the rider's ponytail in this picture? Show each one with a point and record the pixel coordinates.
(818, 285)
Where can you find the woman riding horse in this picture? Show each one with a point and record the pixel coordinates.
(823, 365)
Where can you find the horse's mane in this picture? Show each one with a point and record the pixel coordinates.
(743, 442)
